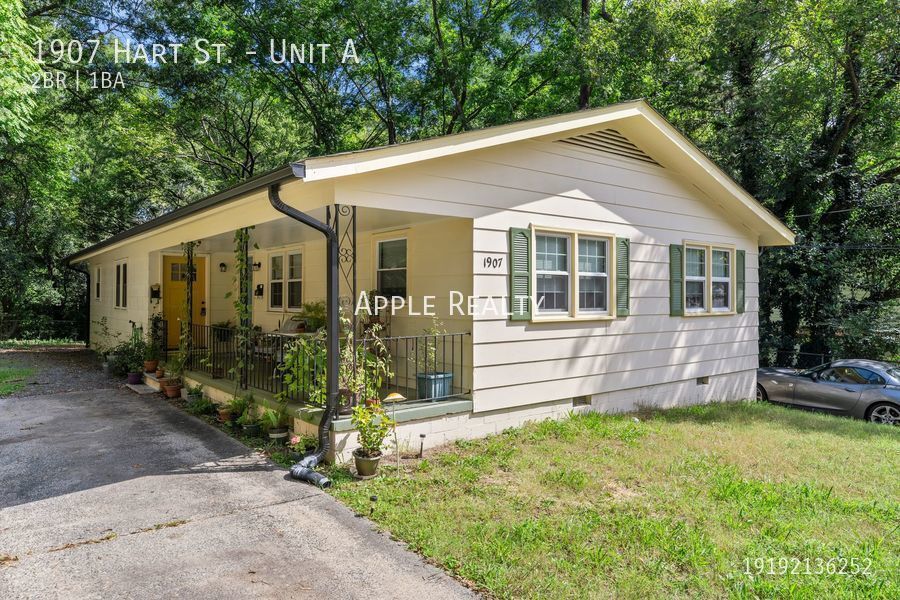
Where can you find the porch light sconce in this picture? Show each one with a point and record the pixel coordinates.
(256, 267)
(155, 294)
(223, 267)
(258, 292)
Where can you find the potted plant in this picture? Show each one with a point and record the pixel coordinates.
(372, 316)
(151, 354)
(299, 445)
(373, 425)
(431, 383)
(130, 357)
(249, 422)
(276, 424)
(234, 408)
(313, 313)
(172, 387)
(160, 372)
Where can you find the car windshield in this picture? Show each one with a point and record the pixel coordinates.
(813, 371)
(893, 373)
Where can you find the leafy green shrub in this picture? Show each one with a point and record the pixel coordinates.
(373, 426)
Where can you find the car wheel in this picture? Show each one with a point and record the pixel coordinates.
(884, 413)
(761, 395)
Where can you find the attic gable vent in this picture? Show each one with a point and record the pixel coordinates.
(610, 141)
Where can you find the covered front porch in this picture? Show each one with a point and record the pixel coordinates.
(251, 319)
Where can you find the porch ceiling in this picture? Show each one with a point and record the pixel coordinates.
(285, 231)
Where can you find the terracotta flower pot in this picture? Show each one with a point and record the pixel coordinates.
(366, 466)
(225, 414)
(160, 373)
(150, 366)
(172, 390)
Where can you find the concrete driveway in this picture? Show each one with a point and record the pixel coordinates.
(105, 494)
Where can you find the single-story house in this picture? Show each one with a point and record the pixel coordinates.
(588, 261)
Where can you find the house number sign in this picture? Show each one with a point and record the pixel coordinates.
(494, 263)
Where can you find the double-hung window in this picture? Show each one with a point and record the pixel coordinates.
(391, 268)
(551, 267)
(708, 273)
(286, 281)
(721, 280)
(593, 275)
(121, 285)
(294, 280)
(571, 274)
(276, 282)
(695, 279)
(97, 284)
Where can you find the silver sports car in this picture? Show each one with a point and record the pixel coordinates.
(865, 389)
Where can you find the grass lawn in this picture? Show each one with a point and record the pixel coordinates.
(12, 378)
(28, 344)
(671, 506)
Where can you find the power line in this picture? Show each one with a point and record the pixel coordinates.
(843, 210)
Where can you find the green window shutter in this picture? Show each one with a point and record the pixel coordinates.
(741, 275)
(676, 280)
(623, 260)
(519, 274)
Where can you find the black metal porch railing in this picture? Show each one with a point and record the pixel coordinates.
(424, 367)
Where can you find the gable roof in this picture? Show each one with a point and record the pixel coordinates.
(645, 127)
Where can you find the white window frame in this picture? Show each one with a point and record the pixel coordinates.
(708, 249)
(120, 295)
(285, 280)
(288, 280)
(379, 269)
(574, 311)
(713, 280)
(98, 283)
(701, 278)
(273, 281)
(567, 273)
(608, 244)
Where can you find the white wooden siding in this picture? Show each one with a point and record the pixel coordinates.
(551, 185)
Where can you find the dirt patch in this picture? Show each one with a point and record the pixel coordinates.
(58, 369)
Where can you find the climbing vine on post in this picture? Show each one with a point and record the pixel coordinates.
(185, 337)
(242, 307)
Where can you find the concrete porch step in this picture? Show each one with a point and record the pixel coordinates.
(140, 388)
(151, 381)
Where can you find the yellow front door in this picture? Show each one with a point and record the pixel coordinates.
(175, 294)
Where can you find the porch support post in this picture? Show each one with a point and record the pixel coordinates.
(189, 300)
(303, 470)
(244, 298)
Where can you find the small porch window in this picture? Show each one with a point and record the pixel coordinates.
(97, 286)
(286, 281)
(391, 268)
(295, 280)
(276, 281)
